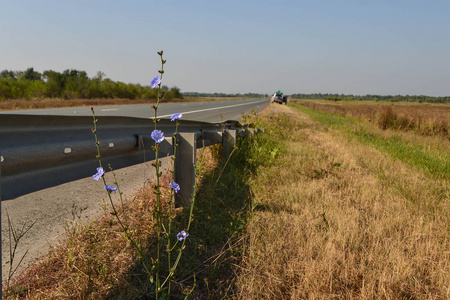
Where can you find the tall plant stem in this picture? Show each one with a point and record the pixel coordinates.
(172, 202)
(158, 217)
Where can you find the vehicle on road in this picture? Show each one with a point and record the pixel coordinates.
(278, 97)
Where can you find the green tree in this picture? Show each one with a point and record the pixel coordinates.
(8, 74)
(55, 83)
(175, 92)
(76, 84)
(30, 74)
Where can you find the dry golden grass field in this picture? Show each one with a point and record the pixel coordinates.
(425, 118)
(19, 104)
(319, 206)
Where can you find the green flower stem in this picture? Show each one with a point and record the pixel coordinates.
(157, 188)
(172, 202)
(120, 196)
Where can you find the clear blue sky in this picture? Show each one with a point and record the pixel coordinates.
(335, 46)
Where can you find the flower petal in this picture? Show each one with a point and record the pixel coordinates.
(155, 82)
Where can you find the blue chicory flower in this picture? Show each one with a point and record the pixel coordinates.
(110, 188)
(99, 173)
(173, 185)
(157, 136)
(155, 82)
(175, 116)
(182, 235)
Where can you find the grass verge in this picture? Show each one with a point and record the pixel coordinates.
(337, 218)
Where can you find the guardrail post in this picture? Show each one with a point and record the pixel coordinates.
(185, 167)
(229, 142)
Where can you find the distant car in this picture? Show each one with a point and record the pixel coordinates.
(279, 98)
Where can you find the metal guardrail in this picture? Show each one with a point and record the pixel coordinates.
(37, 152)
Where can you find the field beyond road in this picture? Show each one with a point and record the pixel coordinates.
(319, 206)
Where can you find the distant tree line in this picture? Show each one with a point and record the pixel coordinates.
(397, 98)
(73, 84)
(217, 95)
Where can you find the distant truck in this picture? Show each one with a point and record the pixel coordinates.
(278, 97)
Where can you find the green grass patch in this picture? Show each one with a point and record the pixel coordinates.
(324, 118)
(414, 155)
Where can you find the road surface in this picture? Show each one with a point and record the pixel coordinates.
(212, 111)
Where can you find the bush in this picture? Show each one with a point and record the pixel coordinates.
(387, 118)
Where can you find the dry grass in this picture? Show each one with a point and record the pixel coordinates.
(20, 104)
(425, 119)
(96, 261)
(335, 219)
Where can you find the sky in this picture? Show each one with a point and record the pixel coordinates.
(383, 47)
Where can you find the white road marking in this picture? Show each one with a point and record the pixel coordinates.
(213, 108)
(109, 109)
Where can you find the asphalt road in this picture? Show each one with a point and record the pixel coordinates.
(76, 201)
(212, 111)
